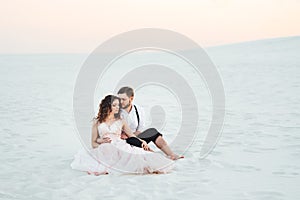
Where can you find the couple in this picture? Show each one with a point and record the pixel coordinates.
(119, 143)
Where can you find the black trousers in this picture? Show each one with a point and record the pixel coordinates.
(149, 135)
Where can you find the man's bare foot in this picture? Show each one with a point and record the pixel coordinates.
(175, 157)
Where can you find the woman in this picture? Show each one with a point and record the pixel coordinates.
(114, 154)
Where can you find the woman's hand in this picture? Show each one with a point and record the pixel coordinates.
(103, 140)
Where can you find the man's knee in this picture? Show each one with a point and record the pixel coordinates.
(152, 130)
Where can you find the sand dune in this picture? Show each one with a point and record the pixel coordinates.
(257, 156)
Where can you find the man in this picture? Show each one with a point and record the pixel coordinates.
(135, 118)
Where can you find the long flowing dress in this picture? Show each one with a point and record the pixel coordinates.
(119, 156)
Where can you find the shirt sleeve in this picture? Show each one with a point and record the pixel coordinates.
(125, 117)
(142, 116)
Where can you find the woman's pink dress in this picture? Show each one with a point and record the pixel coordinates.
(119, 156)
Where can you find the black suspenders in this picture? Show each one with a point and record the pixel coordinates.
(137, 115)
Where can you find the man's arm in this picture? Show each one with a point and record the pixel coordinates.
(141, 126)
(137, 133)
(129, 133)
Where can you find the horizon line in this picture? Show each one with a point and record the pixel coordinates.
(204, 47)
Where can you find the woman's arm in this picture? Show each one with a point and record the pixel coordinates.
(96, 141)
(95, 135)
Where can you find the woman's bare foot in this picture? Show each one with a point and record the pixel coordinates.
(157, 172)
(96, 173)
(100, 173)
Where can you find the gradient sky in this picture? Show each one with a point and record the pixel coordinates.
(78, 26)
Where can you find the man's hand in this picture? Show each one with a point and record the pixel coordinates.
(145, 146)
(103, 140)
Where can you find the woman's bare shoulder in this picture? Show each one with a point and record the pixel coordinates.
(95, 123)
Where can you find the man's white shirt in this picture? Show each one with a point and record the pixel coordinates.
(132, 120)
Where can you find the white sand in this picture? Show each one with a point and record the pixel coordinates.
(257, 156)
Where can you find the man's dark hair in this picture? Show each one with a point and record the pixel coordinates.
(128, 90)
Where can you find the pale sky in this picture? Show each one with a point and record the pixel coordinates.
(78, 26)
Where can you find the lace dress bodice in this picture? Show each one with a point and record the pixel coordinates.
(113, 130)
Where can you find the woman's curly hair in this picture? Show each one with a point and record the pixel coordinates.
(105, 108)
